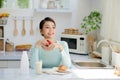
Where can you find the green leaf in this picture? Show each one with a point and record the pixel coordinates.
(92, 21)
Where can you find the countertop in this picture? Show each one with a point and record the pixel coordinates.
(75, 73)
(17, 56)
(12, 55)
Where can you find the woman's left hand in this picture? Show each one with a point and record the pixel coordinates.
(52, 46)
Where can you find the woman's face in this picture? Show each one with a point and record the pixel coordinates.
(48, 30)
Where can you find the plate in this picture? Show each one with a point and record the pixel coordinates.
(63, 71)
(55, 71)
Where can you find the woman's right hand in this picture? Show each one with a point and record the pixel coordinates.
(40, 43)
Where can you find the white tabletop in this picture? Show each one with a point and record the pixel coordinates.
(15, 74)
(75, 74)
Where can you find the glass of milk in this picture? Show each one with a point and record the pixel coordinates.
(38, 67)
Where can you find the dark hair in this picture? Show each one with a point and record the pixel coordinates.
(45, 20)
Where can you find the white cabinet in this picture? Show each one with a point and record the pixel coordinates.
(2, 39)
(11, 59)
(3, 64)
(9, 64)
(13, 64)
(3, 45)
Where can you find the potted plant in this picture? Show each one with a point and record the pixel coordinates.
(91, 22)
(3, 18)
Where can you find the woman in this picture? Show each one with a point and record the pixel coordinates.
(52, 53)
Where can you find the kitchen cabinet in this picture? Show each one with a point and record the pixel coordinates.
(11, 59)
(3, 64)
(13, 64)
(9, 63)
(2, 38)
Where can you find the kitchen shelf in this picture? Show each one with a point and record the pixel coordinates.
(54, 10)
(18, 12)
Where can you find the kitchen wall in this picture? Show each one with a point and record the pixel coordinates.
(80, 8)
(83, 8)
(111, 21)
(98, 5)
(63, 20)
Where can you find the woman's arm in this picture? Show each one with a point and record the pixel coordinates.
(66, 60)
(34, 56)
(41, 42)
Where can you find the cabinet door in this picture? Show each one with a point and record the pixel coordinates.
(2, 45)
(3, 64)
(13, 64)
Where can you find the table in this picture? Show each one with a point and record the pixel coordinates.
(15, 74)
(75, 74)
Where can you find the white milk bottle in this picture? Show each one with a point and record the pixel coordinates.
(24, 63)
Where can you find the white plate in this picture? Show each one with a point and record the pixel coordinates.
(55, 71)
(63, 71)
